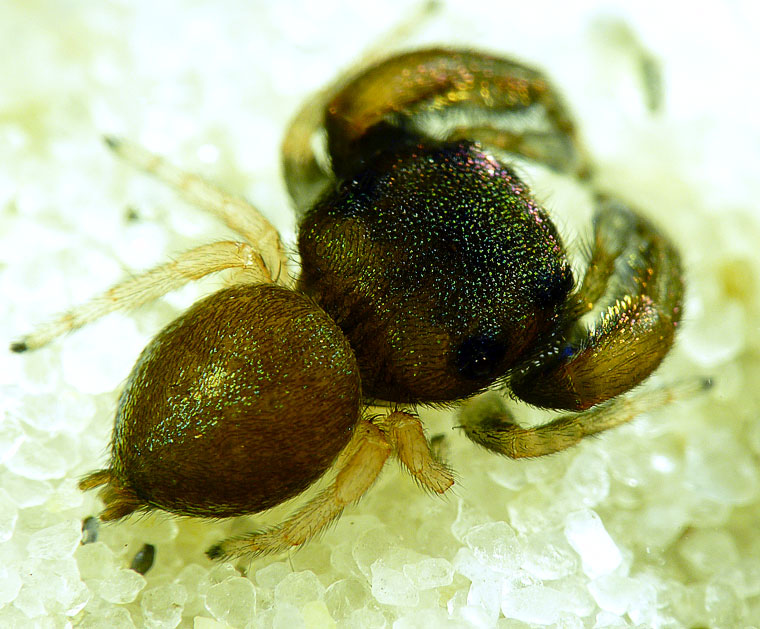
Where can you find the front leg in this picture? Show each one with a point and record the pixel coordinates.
(487, 421)
(633, 290)
(447, 94)
(307, 176)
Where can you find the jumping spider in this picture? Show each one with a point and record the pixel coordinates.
(429, 274)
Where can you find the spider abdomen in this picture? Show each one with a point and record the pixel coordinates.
(256, 376)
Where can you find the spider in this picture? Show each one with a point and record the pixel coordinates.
(429, 274)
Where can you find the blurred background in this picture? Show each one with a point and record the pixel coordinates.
(665, 97)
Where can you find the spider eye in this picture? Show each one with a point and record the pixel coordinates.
(479, 357)
(554, 288)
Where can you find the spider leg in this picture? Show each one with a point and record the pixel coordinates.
(557, 147)
(239, 215)
(488, 422)
(405, 434)
(438, 94)
(306, 176)
(632, 293)
(358, 467)
(150, 285)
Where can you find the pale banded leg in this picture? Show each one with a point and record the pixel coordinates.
(146, 287)
(357, 469)
(487, 421)
(358, 466)
(405, 434)
(238, 214)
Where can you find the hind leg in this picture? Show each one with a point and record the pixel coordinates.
(150, 285)
(239, 215)
(357, 469)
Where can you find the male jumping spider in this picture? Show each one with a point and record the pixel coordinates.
(429, 274)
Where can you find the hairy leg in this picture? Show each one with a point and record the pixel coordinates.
(146, 287)
(405, 434)
(238, 214)
(306, 176)
(488, 422)
(632, 294)
(439, 94)
(558, 148)
(357, 469)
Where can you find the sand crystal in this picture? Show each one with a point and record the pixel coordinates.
(653, 525)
